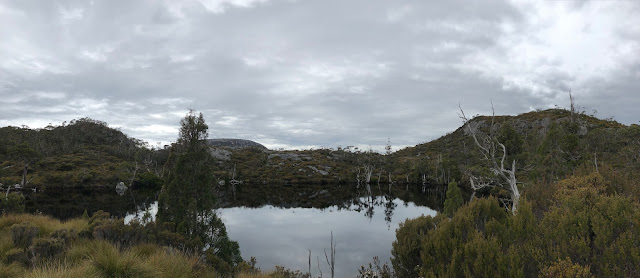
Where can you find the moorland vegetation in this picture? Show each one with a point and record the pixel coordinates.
(577, 178)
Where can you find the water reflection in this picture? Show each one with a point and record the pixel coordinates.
(66, 203)
(279, 224)
(315, 196)
(283, 236)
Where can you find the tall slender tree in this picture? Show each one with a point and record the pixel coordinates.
(187, 199)
(27, 156)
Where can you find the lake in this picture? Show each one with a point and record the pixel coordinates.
(280, 224)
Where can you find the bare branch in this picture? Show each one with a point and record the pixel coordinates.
(504, 155)
(462, 115)
(493, 116)
(488, 146)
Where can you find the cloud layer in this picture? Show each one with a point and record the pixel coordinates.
(312, 73)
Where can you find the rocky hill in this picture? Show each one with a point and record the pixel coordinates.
(547, 145)
(234, 143)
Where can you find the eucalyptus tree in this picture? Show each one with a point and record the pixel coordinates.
(27, 156)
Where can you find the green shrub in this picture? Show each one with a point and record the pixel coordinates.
(565, 269)
(66, 236)
(454, 199)
(148, 180)
(16, 255)
(23, 234)
(583, 233)
(217, 263)
(13, 203)
(46, 247)
(116, 231)
(406, 247)
(96, 219)
(10, 270)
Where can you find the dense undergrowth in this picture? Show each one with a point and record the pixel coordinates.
(579, 215)
(586, 231)
(100, 246)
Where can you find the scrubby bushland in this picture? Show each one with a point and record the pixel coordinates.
(12, 203)
(83, 153)
(40, 246)
(586, 231)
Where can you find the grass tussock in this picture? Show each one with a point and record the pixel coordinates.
(6, 242)
(83, 256)
(46, 224)
(178, 265)
(10, 270)
(60, 269)
(109, 262)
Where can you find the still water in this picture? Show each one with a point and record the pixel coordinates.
(283, 232)
(284, 236)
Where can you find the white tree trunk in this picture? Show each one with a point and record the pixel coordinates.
(505, 178)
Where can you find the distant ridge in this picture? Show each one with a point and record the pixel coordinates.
(235, 143)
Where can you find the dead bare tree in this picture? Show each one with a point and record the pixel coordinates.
(233, 182)
(368, 171)
(573, 107)
(133, 177)
(495, 153)
(6, 196)
(331, 262)
(407, 186)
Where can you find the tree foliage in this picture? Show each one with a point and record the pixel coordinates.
(586, 232)
(187, 199)
(454, 199)
(407, 246)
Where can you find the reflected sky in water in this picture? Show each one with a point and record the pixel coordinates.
(283, 236)
(362, 227)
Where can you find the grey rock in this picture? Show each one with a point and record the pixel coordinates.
(322, 172)
(289, 156)
(582, 131)
(220, 154)
(121, 188)
(234, 143)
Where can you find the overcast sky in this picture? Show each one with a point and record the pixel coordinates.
(313, 73)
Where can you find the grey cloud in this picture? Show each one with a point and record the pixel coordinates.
(285, 73)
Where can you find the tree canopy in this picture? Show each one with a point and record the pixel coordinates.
(187, 199)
